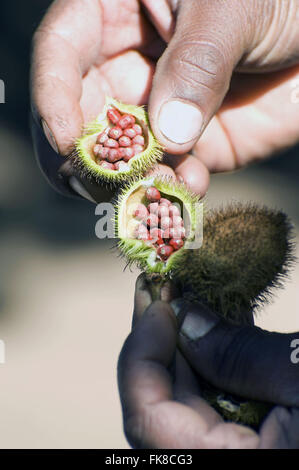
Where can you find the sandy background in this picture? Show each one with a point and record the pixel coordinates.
(65, 302)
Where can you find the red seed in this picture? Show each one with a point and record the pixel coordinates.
(138, 149)
(115, 132)
(141, 212)
(141, 232)
(152, 194)
(138, 140)
(107, 165)
(157, 235)
(126, 153)
(165, 251)
(96, 149)
(127, 120)
(177, 232)
(176, 243)
(153, 208)
(166, 223)
(122, 152)
(102, 152)
(102, 137)
(137, 129)
(113, 115)
(163, 211)
(174, 210)
(121, 166)
(152, 221)
(177, 221)
(166, 234)
(129, 132)
(129, 154)
(125, 141)
(113, 155)
(165, 202)
(111, 143)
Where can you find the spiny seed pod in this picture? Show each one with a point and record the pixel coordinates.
(156, 252)
(246, 252)
(120, 127)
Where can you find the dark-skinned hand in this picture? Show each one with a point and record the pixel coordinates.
(162, 404)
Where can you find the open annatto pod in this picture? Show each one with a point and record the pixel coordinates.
(118, 146)
(157, 220)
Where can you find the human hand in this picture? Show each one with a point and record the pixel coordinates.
(158, 375)
(85, 50)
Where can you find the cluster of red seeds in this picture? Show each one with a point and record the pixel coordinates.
(160, 224)
(120, 142)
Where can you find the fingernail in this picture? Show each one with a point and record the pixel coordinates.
(180, 122)
(180, 308)
(78, 187)
(196, 319)
(49, 135)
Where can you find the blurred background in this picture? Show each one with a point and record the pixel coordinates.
(65, 301)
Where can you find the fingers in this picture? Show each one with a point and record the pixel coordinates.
(161, 17)
(143, 295)
(215, 149)
(246, 361)
(63, 49)
(142, 369)
(162, 170)
(129, 76)
(151, 417)
(186, 390)
(56, 91)
(50, 162)
(191, 171)
(187, 169)
(280, 429)
(193, 75)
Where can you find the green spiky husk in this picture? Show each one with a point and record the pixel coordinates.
(237, 410)
(136, 251)
(86, 165)
(246, 252)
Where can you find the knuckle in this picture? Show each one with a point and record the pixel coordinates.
(202, 63)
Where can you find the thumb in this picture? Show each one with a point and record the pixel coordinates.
(193, 75)
(246, 361)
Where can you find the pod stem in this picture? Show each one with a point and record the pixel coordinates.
(155, 282)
